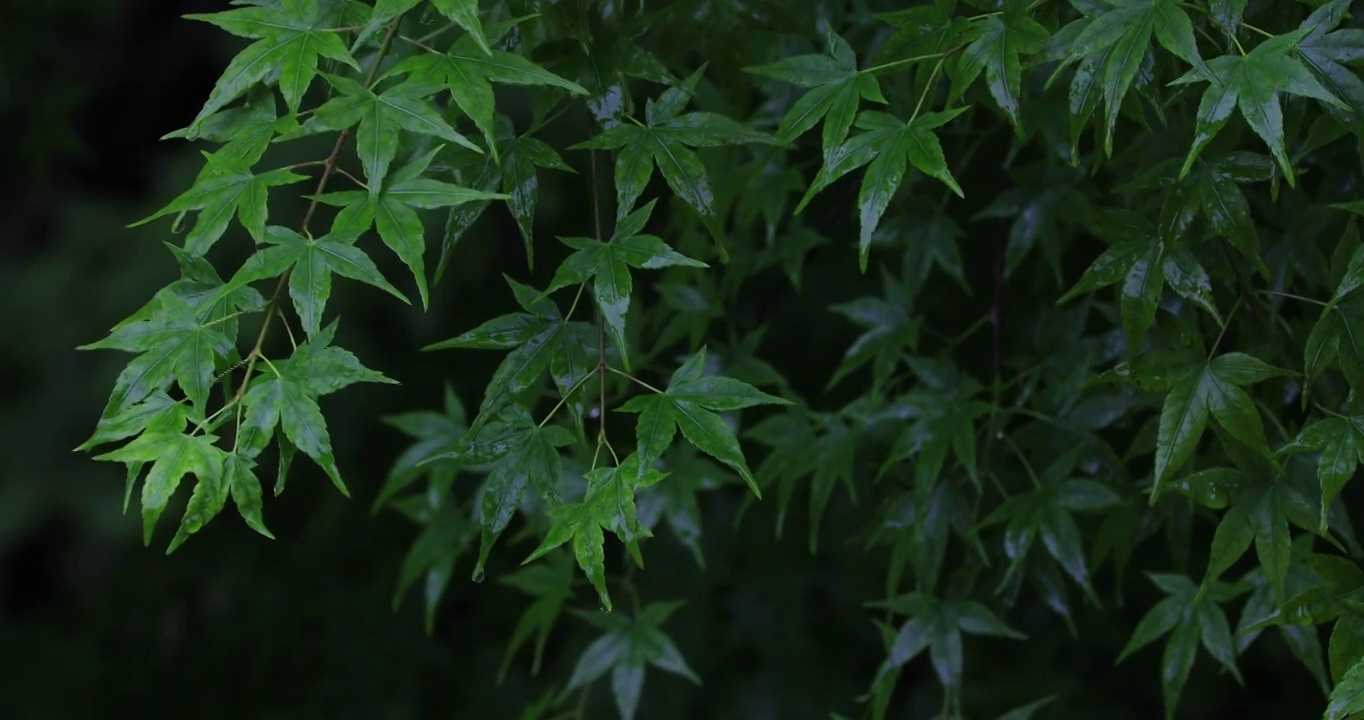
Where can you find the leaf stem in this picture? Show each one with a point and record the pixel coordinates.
(547, 120)
(1291, 296)
(576, 298)
(576, 386)
(1256, 30)
(203, 427)
(601, 322)
(1329, 411)
(1225, 326)
(932, 79)
(909, 60)
(420, 44)
(1032, 474)
(636, 380)
(968, 332)
(437, 32)
(351, 177)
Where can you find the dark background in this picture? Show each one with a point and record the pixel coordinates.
(92, 624)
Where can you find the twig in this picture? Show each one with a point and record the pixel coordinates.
(328, 167)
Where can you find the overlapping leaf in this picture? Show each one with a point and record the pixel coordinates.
(627, 648)
(1144, 263)
(609, 504)
(311, 262)
(1252, 84)
(1110, 49)
(607, 265)
(1191, 617)
(835, 85)
(1045, 513)
(394, 211)
(515, 172)
(887, 148)
(379, 119)
(666, 139)
(291, 35)
(937, 625)
(998, 42)
(538, 338)
(225, 188)
(690, 404)
(1202, 390)
(468, 69)
(285, 397)
(175, 341)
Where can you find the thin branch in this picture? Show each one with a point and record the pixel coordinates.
(328, 167)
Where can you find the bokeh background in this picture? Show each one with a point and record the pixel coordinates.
(94, 625)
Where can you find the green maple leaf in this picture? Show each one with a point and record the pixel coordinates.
(1192, 616)
(1252, 83)
(887, 148)
(1260, 512)
(394, 211)
(1347, 645)
(175, 341)
(467, 72)
(1347, 699)
(551, 584)
(1203, 389)
(515, 173)
(627, 647)
(676, 500)
(889, 329)
(822, 450)
(225, 187)
(1144, 263)
(666, 139)
(1340, 440)
(1338, 334)
(1038, 208)
(447, 534)
(1045, 513)
(531, 461)
(379, 118)
(836, 87)
(935, 625)
(245, 131)
(290, 37)
(1215, 190)
(285, 396)
(1111, 47)
(465, 14)
(998, 42)
(535, 337)
(310, 263)
(941, 411)
(1326, 52)
(173, 455)
(237, 480)
(691, 403)
(608, 265)
(608, 504)
(433, 432)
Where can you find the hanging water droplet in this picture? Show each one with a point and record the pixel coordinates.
(478, 574)
(604, 608)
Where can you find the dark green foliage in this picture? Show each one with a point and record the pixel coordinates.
(1151, 371)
